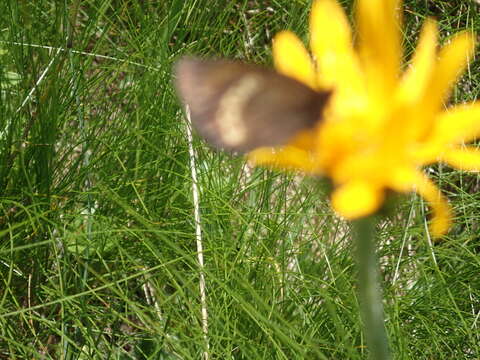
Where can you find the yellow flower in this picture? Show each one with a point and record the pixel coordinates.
(381, 125)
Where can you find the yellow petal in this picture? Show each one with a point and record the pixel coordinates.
(442, 214)
(416, 122)
(356, 199)
(331, 43)
(378, 23)
(405, 180)
(452, 60)
(329, 27)
(417, 77)
(292, 59)
(459, 123)
(467, 159)
(288, 157)
(304, 140)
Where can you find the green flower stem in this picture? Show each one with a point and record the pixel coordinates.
(369, 289)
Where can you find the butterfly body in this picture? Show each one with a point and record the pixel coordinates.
(239, 107)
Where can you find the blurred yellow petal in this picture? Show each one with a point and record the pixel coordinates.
(331, 43)
(442, 213)
(406, 180)
(304, 140)
(417, 77)
(288, 157)
(328, 18)
(292, 59)
(379, 35)
(467, 159)
(334, 143)
(458, 124)
(402, 179)
(453, 58)
(356, 199)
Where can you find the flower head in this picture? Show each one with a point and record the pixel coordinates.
(382, 125)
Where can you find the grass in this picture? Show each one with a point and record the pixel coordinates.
(97, 234)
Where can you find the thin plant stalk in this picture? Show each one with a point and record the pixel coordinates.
(369, 290)
(198, 236)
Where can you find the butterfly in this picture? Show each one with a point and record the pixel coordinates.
(239, 107)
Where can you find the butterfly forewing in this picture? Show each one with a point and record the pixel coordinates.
(239, 107)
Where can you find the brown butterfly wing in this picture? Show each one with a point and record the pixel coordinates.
(239, 107)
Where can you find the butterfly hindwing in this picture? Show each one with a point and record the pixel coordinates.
(239, 107)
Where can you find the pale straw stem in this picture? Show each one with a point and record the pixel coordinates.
(72, 51)
(198, 234)
(40, 79)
